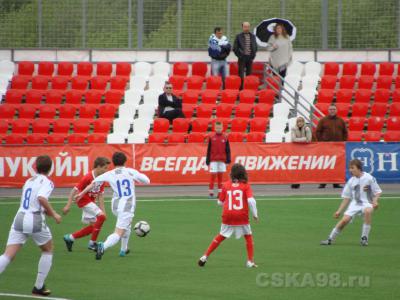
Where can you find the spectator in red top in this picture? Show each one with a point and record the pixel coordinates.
(218, 156)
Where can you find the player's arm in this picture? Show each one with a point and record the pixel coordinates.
(375, 199)
(49, 209)
(85, 190)
(140, 177)
(342, 206)
(71, 197)
(376, 190)
(227, 152)
(221, 197)
(253, 208)
(208, 155)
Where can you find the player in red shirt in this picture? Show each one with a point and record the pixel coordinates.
(91, 213)
(236, 198)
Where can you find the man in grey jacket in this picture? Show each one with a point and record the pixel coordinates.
(245, 48)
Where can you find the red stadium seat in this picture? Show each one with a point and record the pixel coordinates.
(325, 96)
(359, 109)
(224, 110)
(96, 138)
(46, 68)
(251, 82)
(113, 97)
(205, 110)
(236, 137)
(386, 68)
(20, 126)
(4, 124)
(177, 81)
(14, 139)
(372, 136)
(87, 111)
(363, 96)
(7, 111)
(188, 109)
(331, 68)
(199, 69)
(328, 82)
(56, 139)
(375, 123)
(76, 138)
(213, 83)
(382, 95)
(379, 109)
(61, 126)
(190, 96)
(365, 82)
(347, 82)
(74, 97)
(59, 83)
(195, 82)
(232, 82)
(93, 96)
(396, 96)
(82, 125)
(356, 123)
(266, 96)
(395, 110)
(229, 96)
(20, 82)
(65, 69)
(368, 68)
(104, 69)
(107, 111)
(262, 110)
(85, 69)
(273, 82)
(200, 125)
(157, 138)
(27, 111)
(176, 138)
(209, 96)
(195, 137)
(397, 81)
(53, 96)
(123, 69)
(180, 125)
(160, 125)
(36, 139)
(79, 83)
(233, 68)
(255, 137)
(247, 96)
(40, 82)
(180, 68)
(118, 83)
(342, 109)
(98, 83)
(239, 125)
(244, 110)
(384, 82)
(34, 96)
(323, 107)
(349, 68)
(392, 136)
(100, 126)
(258, 124)
(393, 123)
(344, 95)
(355, 136)
(41, 126)
(26, 68)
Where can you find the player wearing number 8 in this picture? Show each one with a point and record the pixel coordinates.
(236, 198)
(122, 181)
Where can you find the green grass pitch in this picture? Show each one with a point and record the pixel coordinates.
(163, 265)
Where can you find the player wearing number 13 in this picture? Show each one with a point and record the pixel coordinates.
(30, 222)
(236, 198)
(122, 181)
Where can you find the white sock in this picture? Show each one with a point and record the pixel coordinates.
(111, 240)
(334, 233)
(365, 230)
(125, 240)
(45, 262)
(4, 261)
(71, 237)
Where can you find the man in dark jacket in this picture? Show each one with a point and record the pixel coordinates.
(169, 106)
(331, 128)
(245, 48)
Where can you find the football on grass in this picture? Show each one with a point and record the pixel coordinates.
(142, 228)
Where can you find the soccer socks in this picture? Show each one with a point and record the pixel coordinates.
(125, 240)
(249, 247)
(334, 234)
(211, 185)
(97, 227)
(83, 232)
(4, 261)
(43, 268)
(220, 182)
(366, 228)
(214, 244)
(111, 240)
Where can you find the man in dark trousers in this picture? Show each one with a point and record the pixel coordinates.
(245, 48)
(331, 128)
(169, 106)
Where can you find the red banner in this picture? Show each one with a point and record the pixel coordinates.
(70, 163)
(279, 163)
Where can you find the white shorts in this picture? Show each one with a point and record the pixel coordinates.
(90, 212)
(19, 238)
(356, 209)
(217, 167)
(240, 230)
(124, 220)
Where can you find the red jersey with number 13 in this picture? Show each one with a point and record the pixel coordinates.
(91, 196)
(234, 196)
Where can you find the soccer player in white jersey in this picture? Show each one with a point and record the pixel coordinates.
(30, 222)
(122, 181)
(363, 191)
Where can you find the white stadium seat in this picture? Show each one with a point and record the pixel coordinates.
(295, 68)
(151, 97)
(116, 138)
(277, 124)
(127, 111)
(121, 125)
(313, 68)
(7, 68)
(281, 110)
(142, 69)
(137, 138)
(157, 82)
(161, 68)
(274, 137)
(138, 83)
(133, 97)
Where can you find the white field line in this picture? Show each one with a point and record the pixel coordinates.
(31, 296)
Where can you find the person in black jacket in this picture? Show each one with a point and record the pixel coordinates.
(245, 48)
(169, 106)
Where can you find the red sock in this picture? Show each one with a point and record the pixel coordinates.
(249, 247)
(97, 226)
(83, 232)
(220, 181)
(214, 244)
(211, 185)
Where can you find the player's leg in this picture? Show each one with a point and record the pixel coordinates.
(220, 174)
(213, 177)
(8, 256)
(337, 229)
(124, 242)
(97, 225)
(250, 251)
(44, 266)
(366, 227)
(225, 232)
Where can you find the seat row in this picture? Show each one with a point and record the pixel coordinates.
(373, 136)
(363, 82)
(362, 109)
(365, 68)
(53, 139)
(196, 137)
(373, 123)
(359, 96)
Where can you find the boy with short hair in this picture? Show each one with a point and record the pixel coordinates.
(218, 156)
(363, 191)
(236, 198)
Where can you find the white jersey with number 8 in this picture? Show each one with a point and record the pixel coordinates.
(362, 189)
